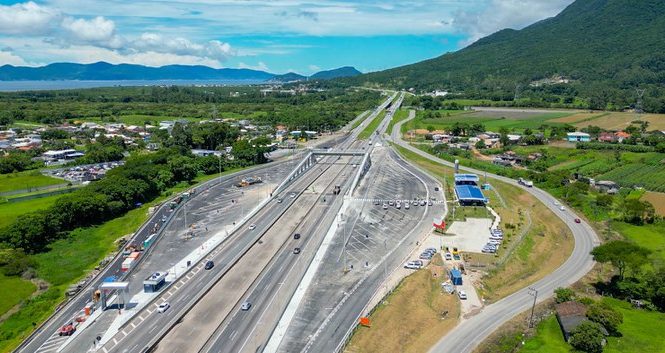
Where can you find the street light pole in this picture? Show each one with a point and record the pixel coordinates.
(534, 293)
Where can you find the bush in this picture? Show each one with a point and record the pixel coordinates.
(588, 337)
(564, 294)
(605, 315)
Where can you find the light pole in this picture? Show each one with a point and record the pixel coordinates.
(534, 293)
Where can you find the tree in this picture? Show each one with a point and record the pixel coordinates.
(588, 337)
(607, 316)
(480, 144)
(564, 294)
(430, 128)
(621, 254)
(503, 138)
(638, 212)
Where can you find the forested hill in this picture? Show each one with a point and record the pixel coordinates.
(606, 48)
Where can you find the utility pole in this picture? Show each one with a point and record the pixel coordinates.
(534, 293)
(638, 106)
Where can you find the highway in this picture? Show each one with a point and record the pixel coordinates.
(46, 333)
(471, 332)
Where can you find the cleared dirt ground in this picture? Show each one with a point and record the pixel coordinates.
(657, 199)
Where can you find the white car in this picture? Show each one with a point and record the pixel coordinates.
(293, 195)
(562, 208)
(245, 306)
(163, 307)
(461, 294)
(407, 206)
(252, 226)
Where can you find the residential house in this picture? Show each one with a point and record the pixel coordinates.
(578, 137)
(607, 186)
(570, 315)
(621, 135)
(607, 137)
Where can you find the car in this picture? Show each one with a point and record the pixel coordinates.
(423, 203)
(449, 256)
(391, 202)
(412, 265)
(296, 236)
(67, 330)
(425, 256)
(279, 200)
(377, 202)
(556, 203)
(385, 206)
(407, 206)
(252, 226)
(245, 306)
(163, 219)
(430, 203)
(562, 208)
(296, 251)
(209, 265)
(431, 250)
(293, 195)
(418, 262)
(415, 202)
(461, 294)
(577, 220)
(398, 205)
(494, 242)
(436, 188)
(163, 307)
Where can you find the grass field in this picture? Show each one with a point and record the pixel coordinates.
(548, 339)
(533, 259)
(360, 121)
(399, 116)
(641, 330)
(619, 121)
(26, 180)
(9, 211)
(650, 236)
(373, 125)
(18, 290)
(409, 320)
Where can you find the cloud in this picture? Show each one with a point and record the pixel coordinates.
(314, 68)
(153, 42)
(27, 18)
(501, 14)
(7, 57)
(309, 15)
(95, 30)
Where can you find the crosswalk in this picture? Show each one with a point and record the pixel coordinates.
(52, 344)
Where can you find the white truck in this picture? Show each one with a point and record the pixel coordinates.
(525, 182)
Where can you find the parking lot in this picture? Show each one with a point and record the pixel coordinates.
(468, 236)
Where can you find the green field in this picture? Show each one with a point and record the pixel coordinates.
(641, 330)
(373, 125)
(399, 116)
(26, 180)
(9, 211)
(14, 291)
(650, 236)
(548, 339)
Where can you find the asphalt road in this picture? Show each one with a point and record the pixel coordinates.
(471, 332)
(40, 341)
(148, 324)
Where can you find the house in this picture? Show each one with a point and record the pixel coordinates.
(607, 137)
(578, 137)
(607, 186)
(514, 138)
(502, 162)
(570, 315)
(621, 135)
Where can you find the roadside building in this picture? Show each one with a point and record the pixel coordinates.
(578, 137)
(570, 315)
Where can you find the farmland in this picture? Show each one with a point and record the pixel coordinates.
(657, 199)
(612, 120)
(639, 174)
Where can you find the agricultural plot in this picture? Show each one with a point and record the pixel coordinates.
(619, 121)
(657, 199)
(579, 118)
(645, 175)
(493, 120)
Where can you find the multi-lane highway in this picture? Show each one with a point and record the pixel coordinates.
(471, 332)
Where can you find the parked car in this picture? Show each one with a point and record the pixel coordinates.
(426, 256)
(293, 195)
(391, 202)
(377, 202)
(385, 206)
(209, 265)
(163, 307)
(407, 206)
(279, 200)
(461, 294)
(245, 306)
(433, 250)
(449, 256)
(412, 265)
(562, 208)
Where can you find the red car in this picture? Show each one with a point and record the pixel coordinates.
(67, 330)
(577, 220)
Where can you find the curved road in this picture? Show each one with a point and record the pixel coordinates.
(466, 336)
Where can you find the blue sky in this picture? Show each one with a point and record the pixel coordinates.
(304, 36)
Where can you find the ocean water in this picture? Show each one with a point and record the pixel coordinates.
(15, 86)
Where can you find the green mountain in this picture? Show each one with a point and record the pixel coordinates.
(346, 71)
(604, 49)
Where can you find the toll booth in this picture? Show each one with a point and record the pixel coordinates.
(154, 282)
(121, 289)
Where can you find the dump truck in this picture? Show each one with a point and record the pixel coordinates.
(248, 181)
